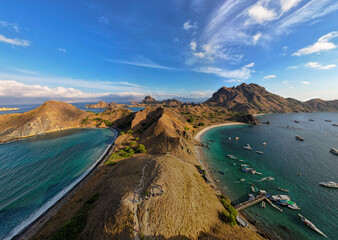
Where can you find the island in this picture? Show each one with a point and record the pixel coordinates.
(152, 183)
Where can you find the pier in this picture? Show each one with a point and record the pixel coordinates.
(252, 202)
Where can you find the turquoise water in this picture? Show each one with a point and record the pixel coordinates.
(36, 171)
(284, 157)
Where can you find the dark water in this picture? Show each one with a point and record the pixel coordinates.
(28, 107)
(37, 171)
(284, 157)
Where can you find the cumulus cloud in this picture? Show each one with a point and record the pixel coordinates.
(269, 76)
(261, 14)
(319, 66)
(15, 41)
(305, 83)
(187, 25)
(256, 37)
(193, 45)
(242, 73)
(323, 44)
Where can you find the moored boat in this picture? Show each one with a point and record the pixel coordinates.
(334, 124)
(311, 120)
(283, 189)
(299, 138)
(253, 188)
(311, 225)
(295, 121)
(328, 121)
(247, 147)
(242, 179)
(264, 143)
(263, 204)
(334, 151)
(329, 184)
(260, 152)
(293, 206)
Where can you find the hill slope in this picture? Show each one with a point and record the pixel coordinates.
(49, 117)
(253, 98)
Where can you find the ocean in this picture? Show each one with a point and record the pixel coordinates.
(81, 105)
(284, 157)
(37, 171)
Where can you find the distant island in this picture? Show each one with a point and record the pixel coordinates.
(155, 162)
(8, 109)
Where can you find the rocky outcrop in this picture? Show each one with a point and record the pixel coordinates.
(102, 104)
(253, 98)
(149, 100)
(49, 117)
(247, 118)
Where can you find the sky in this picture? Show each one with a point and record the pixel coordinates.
(123, 50)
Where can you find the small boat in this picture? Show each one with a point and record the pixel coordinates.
(293, 206)
(232, 157)
(329, 184)
(270, 178)
(264, 143)
(218, 180)
(236, 138)
(247, 147)
(311, 225)
(220, 172)
(282, 202)
(334, 151)
(263, 204)
(328, 121)
(278, 198)
(251, 196)
(260, 152)
(311, 120)
(283, 189)
(295, 121)
(229, 138)
(234, 164)
(334, 124)
(240, 160)
(299, 138)
(299, 173)
(245, 165)
(246, 169)
(253, 188)
(242, 179)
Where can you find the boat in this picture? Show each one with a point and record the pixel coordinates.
(245, 165)
(293, 206)
(253, 188)
(242, 179)
(311, 120)
(264, 143)
(283, 189)
(328, 121)
(277, 198)
(263, 204)
(229, 138)
(299, 138)
(246, 169)
(299, 173)
(282, 202)
(311, 225)
(334, 151)
(236, 138)
(295, 121)
(221, 172)
(251, 196)
(270, 178)
(260, 152)
(335, 124)
(232, 157)
(247, 147)
(329, 184)
(240, 160)
(234, 164)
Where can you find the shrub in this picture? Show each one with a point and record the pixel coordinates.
(97, 119)
(110, 161)
(107, 123)
(186, 128)
(200, 124)
(121, 133)
(130, 132)
(137, 139)
(132, 143)
(85, 121)
(141, 148)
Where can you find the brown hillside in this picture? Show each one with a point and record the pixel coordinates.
(49, 117)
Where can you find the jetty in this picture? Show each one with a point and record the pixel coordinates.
(252, 202)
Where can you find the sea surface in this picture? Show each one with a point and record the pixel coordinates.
(37, 171)
(28, 107)
(284, 157)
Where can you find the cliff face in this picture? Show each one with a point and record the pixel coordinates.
(253, 98)
(49, 117)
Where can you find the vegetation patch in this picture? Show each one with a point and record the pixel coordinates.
(230, 213)
(74, 227)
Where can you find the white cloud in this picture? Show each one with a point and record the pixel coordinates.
(24, 71)
(242, 73)
(233, 80)
(305, 83)
(199, 54)
(261, 14)
(286, 5)
(140, 61)
(193, 45)
(256, 37)
(319, 66)
(15, 41)
(62, 50)
(14, 26)
(269, 76)
(187, 25)
(323, 44)
(292, 67)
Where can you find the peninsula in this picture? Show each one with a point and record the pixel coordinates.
(152, 185)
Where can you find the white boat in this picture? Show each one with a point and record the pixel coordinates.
(247, 147)
(263, 204)
(229, 138)
(264, 144)
(242, 179)
(334, 151)
(294, 206)
(245, 165)
(260, 152)
(234, 164)
(329, 184)
(253, 189)
(311, 225)
(280, 198)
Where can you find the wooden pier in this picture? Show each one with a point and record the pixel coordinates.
(252, 202)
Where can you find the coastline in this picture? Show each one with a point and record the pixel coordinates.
(210, 179)
(28, 230)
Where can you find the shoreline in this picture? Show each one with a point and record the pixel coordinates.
(210, 179)
(29, 230)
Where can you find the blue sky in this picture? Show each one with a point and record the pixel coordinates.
(123, 50)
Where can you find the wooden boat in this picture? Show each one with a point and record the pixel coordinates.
(283, 189)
